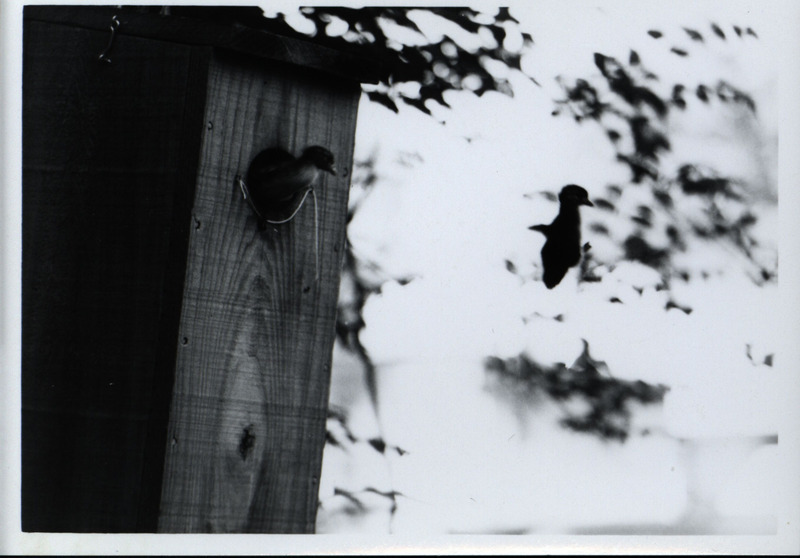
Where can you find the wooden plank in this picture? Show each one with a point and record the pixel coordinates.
(247, 423)
(110, 156)
(234, 37)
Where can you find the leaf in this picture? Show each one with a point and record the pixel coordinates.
(330, 439)
(679, 51)
(655, 34)
(751, 32)
(718, 31)
(600, 61)
(433, 91)
(511, 267)
(639, 166)
(459, 16)
(418, 104)
(602, 203)
(677, 97)
(634, 59)
(637, 249)
(504, 15)
(768, 359)
(382, 99)
(738, 30)
(726, 91)
(672, 304)
(702, 93)
(694, 35)
(694, 181)
(378, 444)
(663, 198)
(400, 16)
(498, 33)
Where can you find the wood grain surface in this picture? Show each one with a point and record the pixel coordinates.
(247, 421)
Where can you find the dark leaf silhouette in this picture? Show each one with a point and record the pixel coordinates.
(751, 32)
(768, 359)
(693, 180)
(586, 98)
(655, 34)
(634, 59)
(603, 203)
(330, 439)
(663, 198)
(607, 399)
(648, 141)
(640, 167)
(727, 92)
(378, 444)
(674, 235)
(677, 96)
(644, 216)
(679, 51)
(638, 249)
(718, 31)
(672, 304)
(702, 93)
(694, 35)
(383, 99)
(402, 63)
(738, 30)
(621, 83)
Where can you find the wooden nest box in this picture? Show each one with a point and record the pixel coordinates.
(175, 359)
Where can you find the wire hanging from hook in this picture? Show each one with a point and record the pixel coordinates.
(113, 27)
(247, 197)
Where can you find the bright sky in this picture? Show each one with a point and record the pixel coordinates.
(476, 463)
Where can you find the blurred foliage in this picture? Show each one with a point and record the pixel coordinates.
(360, 279)
(339, 435)
(416, 72)
(603, 402)
(634, 109)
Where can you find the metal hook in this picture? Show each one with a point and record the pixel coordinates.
(114, 26)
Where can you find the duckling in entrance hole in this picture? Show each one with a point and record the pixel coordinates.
(277, 182)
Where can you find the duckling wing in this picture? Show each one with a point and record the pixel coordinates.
(555, 263)
(266, 162)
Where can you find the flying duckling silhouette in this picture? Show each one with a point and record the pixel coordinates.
(562, 249)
